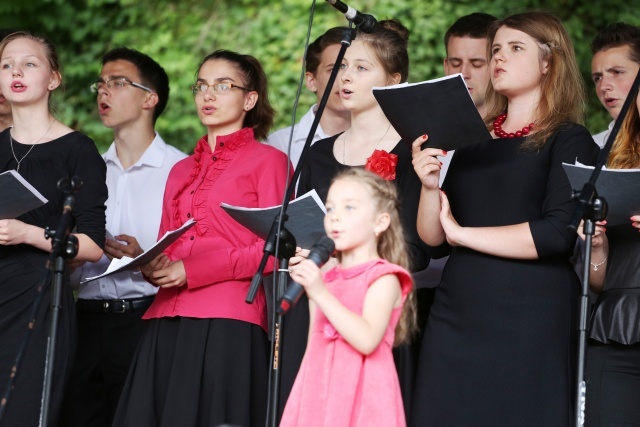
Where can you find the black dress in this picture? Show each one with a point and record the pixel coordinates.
(22, 266)
(318, 170)
(499, 343)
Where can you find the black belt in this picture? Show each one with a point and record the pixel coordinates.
(114, 305)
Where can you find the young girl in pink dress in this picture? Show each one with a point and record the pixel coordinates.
(347, 376)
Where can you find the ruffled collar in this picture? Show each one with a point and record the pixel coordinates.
(233, 142)
(229, 143)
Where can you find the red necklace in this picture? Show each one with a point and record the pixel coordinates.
(497, 128)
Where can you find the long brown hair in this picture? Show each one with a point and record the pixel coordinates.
(388, 40)
(625, 153)
(391, 243)
(562, 94)
(260, 117)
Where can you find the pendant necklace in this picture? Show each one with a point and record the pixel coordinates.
(344, 144)
(32, 145)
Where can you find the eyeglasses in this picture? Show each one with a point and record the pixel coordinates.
(219, 88)
(116, 83)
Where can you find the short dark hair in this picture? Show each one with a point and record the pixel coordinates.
(260, 117)
(332, 36)
(151, 73)
(617, 35)
(475, 25)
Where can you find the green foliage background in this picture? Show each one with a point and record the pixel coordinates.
(178, 33)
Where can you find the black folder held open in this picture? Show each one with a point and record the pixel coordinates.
(441, 108)
(17, 196)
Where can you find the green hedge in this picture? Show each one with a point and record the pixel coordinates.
(179, 33)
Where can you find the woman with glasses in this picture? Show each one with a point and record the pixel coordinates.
(42, 150)
(203, 357)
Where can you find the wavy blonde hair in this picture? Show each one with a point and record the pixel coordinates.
(625, 153)
(391, 243)
(562, 91)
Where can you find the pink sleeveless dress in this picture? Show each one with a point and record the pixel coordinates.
(337, 386)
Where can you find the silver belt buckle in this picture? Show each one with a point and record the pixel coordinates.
(106, 305)
(124, 306)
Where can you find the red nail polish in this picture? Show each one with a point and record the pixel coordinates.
(440, 163)
(444, 153)
(424, 136)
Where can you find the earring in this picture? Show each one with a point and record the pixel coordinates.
(377, 233)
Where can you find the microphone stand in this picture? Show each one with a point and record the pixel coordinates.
(272, 241)
(63, 246)
(592, 208)
(285, 251)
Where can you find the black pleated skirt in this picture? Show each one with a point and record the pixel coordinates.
(197, 372)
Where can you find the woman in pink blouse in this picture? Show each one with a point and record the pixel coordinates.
(203, 359)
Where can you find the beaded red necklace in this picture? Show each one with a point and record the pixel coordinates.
(497, 128)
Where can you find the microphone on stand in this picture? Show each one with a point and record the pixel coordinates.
(361, 20)
(320, 253)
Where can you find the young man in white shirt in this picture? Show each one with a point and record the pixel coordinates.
(321, 56)
(132, 92)
(614, 66)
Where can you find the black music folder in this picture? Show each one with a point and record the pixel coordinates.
(619, 187)
(17, 196)
(441, 108)
(306, 218)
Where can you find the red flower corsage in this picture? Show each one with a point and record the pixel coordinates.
(382, 164)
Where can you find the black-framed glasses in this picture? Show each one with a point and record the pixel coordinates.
(116, 83)
(219, 88)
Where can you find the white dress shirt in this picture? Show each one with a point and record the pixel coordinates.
(134, 208)
(280, 138)
(601, 138)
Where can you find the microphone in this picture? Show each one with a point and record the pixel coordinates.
(320, 252)
(361, 20)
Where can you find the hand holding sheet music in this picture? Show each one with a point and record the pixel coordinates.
(126, 263)
(441, 108)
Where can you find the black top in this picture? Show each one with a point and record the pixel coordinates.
(321, 166)
(73, 154)
(22, 267)
(616, 315)
(499, 341)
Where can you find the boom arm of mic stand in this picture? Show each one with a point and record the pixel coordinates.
(278, 223)
(347, 37)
